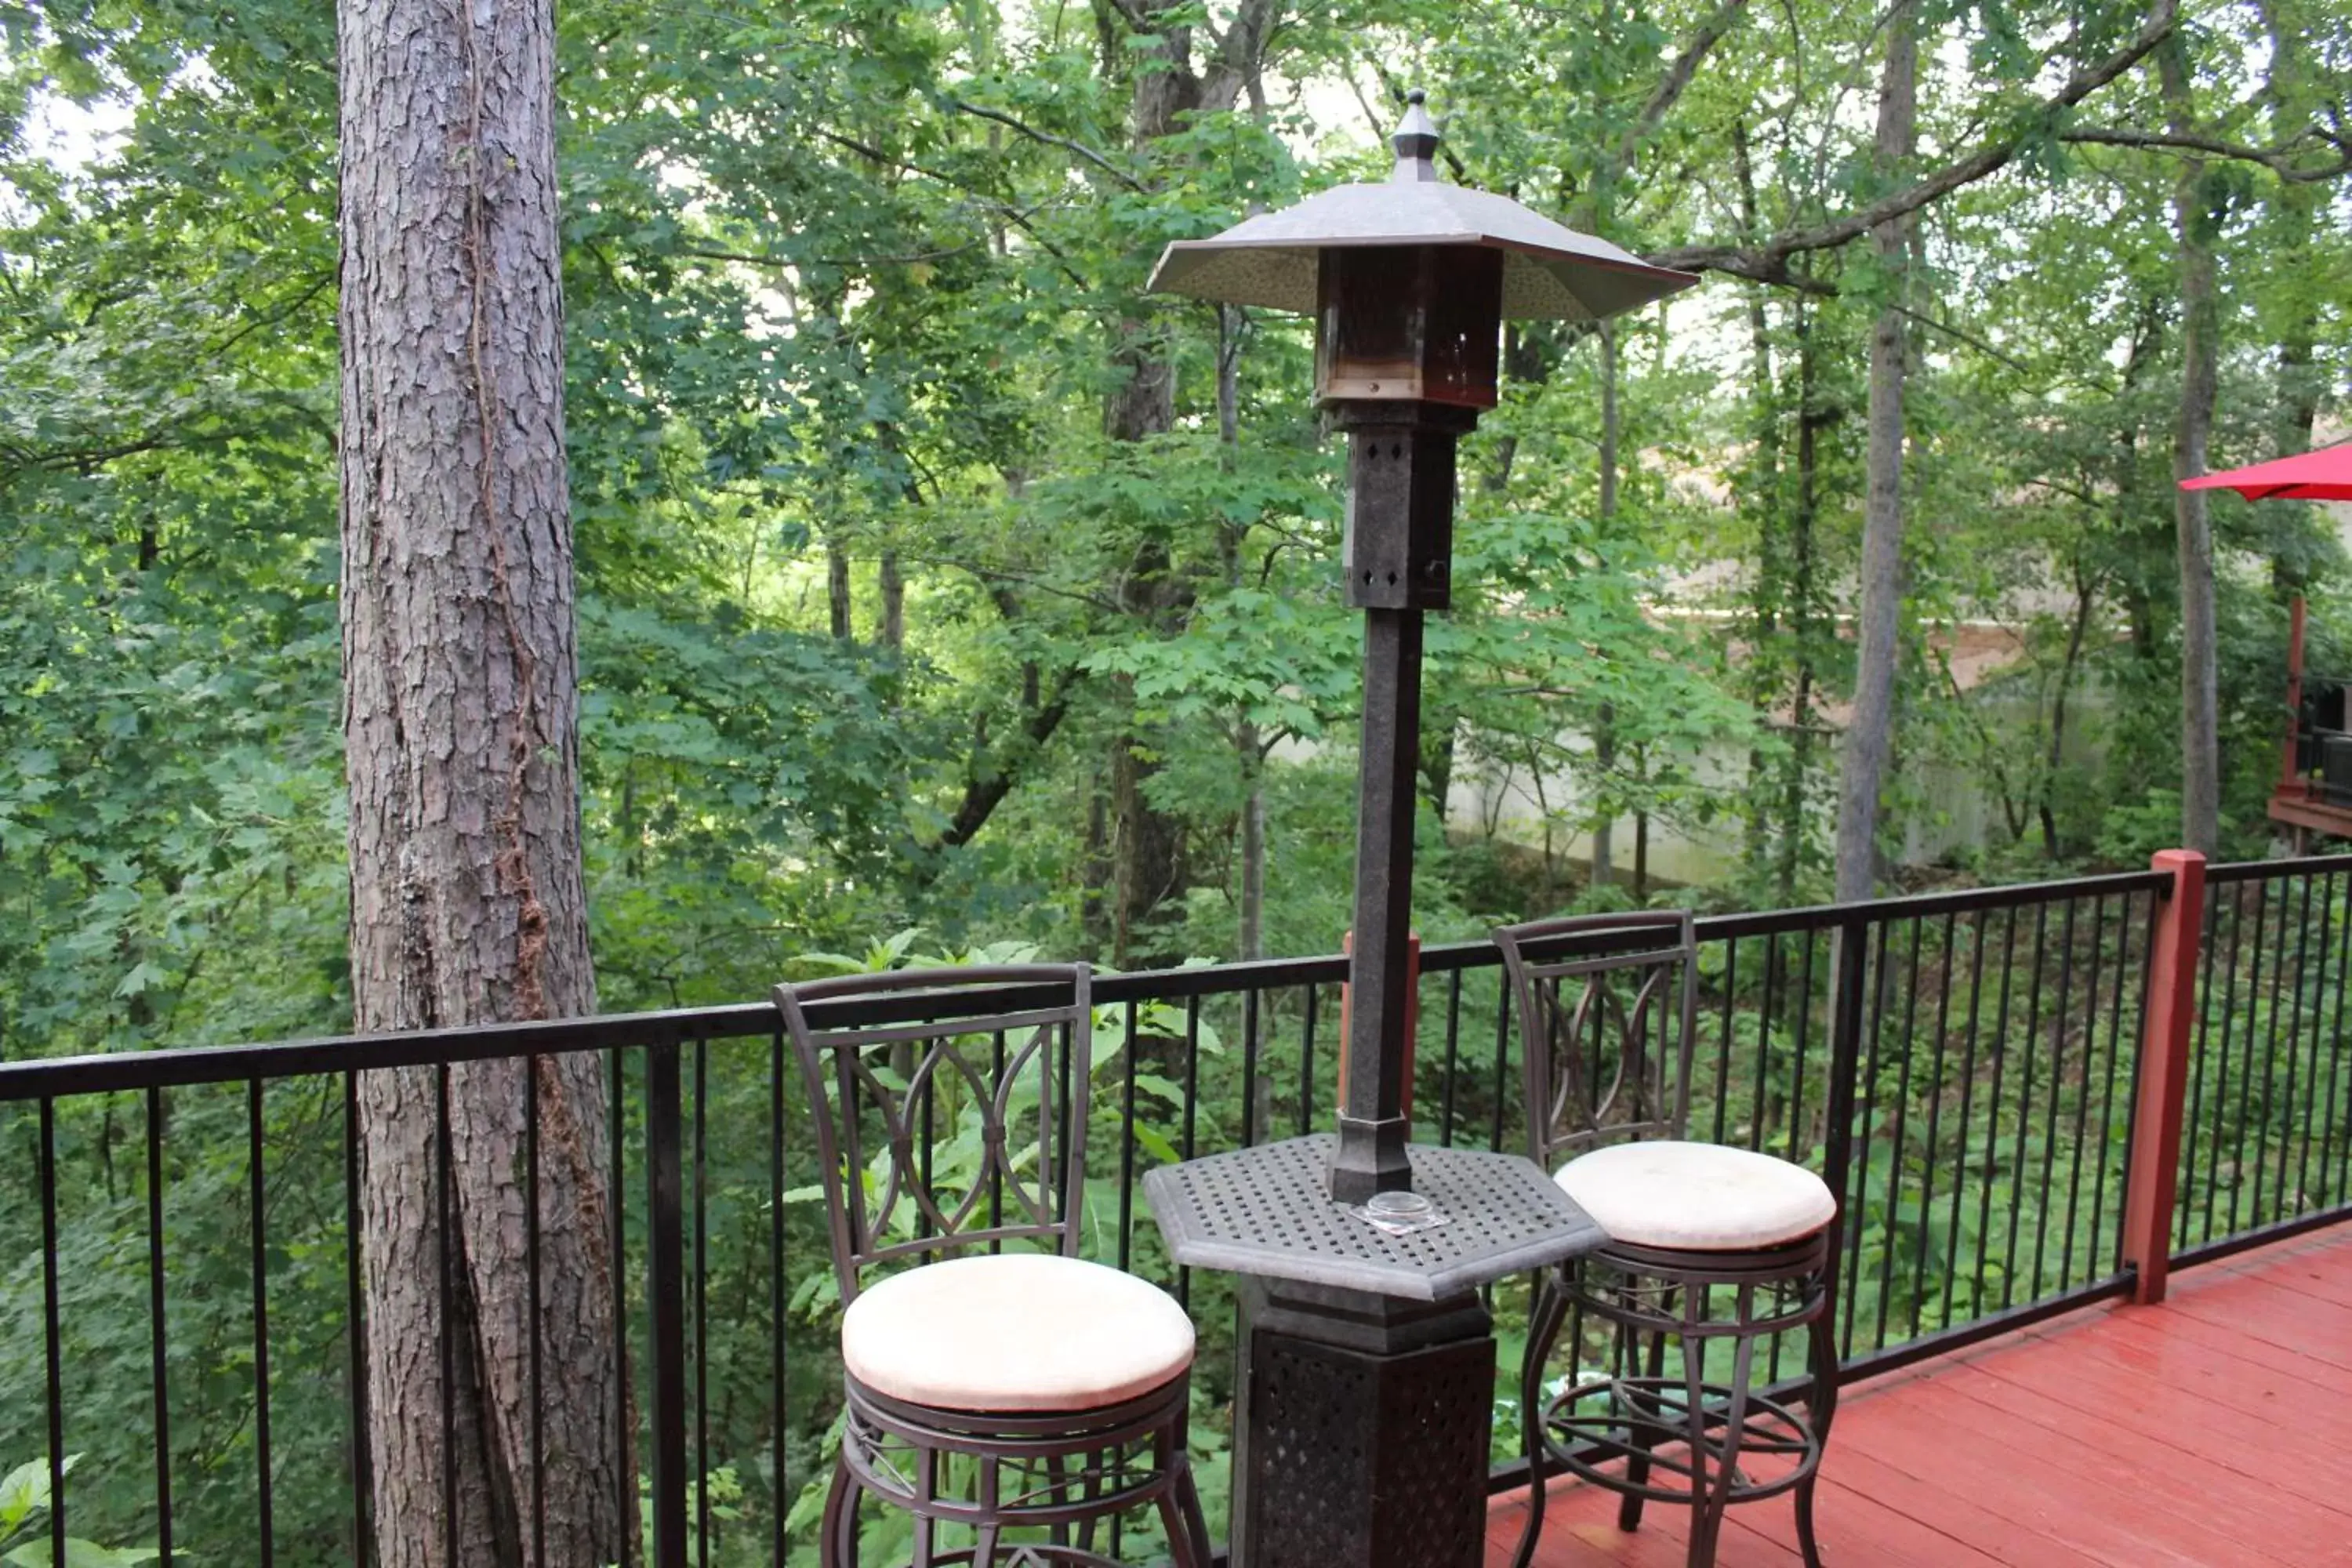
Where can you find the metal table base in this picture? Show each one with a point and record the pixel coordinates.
(1365, 1400)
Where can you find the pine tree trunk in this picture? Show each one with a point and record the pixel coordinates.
(468, 904)
(1810, 421)
(1604, 728)
(1248, 746)
(894, 605)
(2201, 758)
(836, 592)
(1869, 737)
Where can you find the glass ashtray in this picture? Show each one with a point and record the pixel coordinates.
(1400, 1213)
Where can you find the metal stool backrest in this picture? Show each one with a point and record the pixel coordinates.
(1008, 1045)
(1607, 1016)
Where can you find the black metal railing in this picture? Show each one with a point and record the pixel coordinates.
(180, 1230)
(2266, 1137)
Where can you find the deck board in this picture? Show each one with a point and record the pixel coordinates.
(2212, 1430)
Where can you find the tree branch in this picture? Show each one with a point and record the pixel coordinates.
(1048, 139)
(985, 788)
(1768, 262)
(2279, 159)
(1669, 89)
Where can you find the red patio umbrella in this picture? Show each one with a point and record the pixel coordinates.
(2322, 475)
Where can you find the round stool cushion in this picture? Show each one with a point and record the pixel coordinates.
(1698, 1197)
(1024, 1331)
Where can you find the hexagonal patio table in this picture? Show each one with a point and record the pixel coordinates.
(1367, 1376)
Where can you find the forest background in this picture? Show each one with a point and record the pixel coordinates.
(931, 575)
(940, 592)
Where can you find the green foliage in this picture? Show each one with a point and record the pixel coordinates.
(870, 600)
(26, 1541)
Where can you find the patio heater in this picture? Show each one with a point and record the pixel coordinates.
(1364, 1399)
(1409, 283)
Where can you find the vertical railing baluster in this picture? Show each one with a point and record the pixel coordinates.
(665, 1297)
(1756, 1109)
(1306, 1062)
(2083, 1096)
(1855, 1200)
(1723, 1044)
(2025, 1105)
(615, 1078)
(2342, 1119)
(701, 1279)
(534, 1290)
(156, 1332)
(1968, 1093)
(52, 1335)
(446, 1213)
(355, 1330)
(2221, 1054)
(1453, 1055)
(1126, 1145)
(1896, 1132)
(1992, 1103)
(2284, 1110)
(2125, 927)
(1249, 1066)
(1849, 983)
(1502, 1062)
(263, 1491)
(779, 1302)
(2058, 1019)
(1927, 1165)
(2200, 1056)
(2304, 1201)
(2253, 1058)
(1192, 1109)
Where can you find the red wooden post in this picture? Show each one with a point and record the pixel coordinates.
(1412, 1014)
(2151, 1187)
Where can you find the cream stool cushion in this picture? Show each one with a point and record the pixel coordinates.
(1698, 1197)
(1020, 1331)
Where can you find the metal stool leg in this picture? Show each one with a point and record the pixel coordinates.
(837, 1534)
(1180, 1513)
(1637, 1467)
(1821, 1406)
(1706, 1527)
(1702, 1536)
(1543, 1329)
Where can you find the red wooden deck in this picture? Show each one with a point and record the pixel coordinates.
(2214, 1429)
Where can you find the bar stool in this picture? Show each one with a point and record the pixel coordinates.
(1016, 1386)
(1708, 1244)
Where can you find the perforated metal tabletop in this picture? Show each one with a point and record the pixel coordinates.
(1268, 1212)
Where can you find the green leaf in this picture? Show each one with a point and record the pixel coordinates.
(81, 1553)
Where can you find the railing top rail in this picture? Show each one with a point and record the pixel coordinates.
(2268, 870)
(132, 1070)
(1959, 901)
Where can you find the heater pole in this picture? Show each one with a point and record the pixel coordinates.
(1399, 551)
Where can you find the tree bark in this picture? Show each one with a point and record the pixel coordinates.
(1812, 420)
(2201, 759)
(460, 727)
(837, 591)
(1762, 494)
(2294, 206)
(1248, 745)
(1605, 724)
(893, 604)
(1869, 736)
(2077, 629)
(1149, 845)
